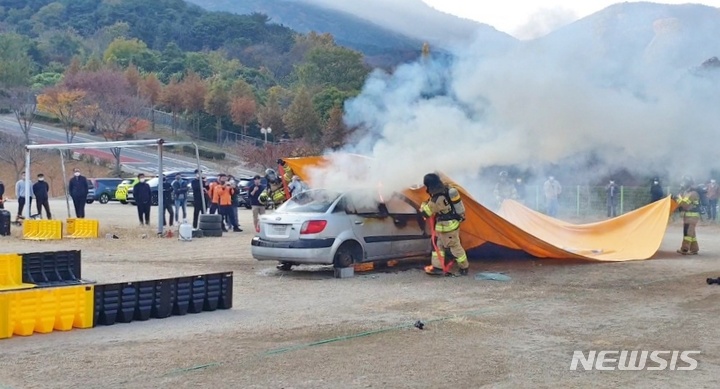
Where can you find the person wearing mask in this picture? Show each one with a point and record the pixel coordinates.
(41, 190)
(225, 191)
(143, 199)
(215, 195)
(257, 207)
(613, 194)
(712, 193)
(200, 191)
(552, 191)
(167, 194)
(2, 194)
(78, 189)
(20, 194)
(179, 192)
(235, 199)
(656, 190)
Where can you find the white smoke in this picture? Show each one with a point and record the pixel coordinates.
(530, 108)
(544, 21)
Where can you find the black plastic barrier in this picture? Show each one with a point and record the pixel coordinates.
(53, 268)
(158, 299)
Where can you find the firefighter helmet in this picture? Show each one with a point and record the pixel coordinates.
(503, 174)
(433, 183)
(263, 198)
(271, 175)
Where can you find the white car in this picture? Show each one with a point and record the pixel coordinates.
(326, 227)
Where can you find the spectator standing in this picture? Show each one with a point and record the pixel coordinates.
(41, 190)
(200, 191)
(257, 208)
(2, 193)
(712, 193)
(143, 199)
(235, 199)
(215, 195)
(20, 195)
(225, 192)
(656, 190)
(179, 190)
(613, 193)
(167, 194)
(552, 190)
(78, 189)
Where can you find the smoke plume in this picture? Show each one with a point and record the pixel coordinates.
(537, 108)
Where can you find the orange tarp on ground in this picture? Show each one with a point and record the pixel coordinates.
(636, 235)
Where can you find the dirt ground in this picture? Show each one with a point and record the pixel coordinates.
(305, 329)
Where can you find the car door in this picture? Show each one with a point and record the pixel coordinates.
(371, 224)
(411, 237)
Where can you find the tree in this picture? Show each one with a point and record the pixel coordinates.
(12, 152)
(241, 88)
(266, 156)
(134, 78)
(301, 119)
(115, 106)
(16, 66)
(216, 104)
(335, 131)
(194, 90)
(243, 111)
(333, 66)
(21, 101)
(270, 115)
(172, 98)
(68, 106)
(327, 99)
(151, 90)
(123, 52)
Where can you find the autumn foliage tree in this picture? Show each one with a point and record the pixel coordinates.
(151, 90)
(68, 105)
(193, 94)
(172, 99)
(266, 156)
(301, 119)
(335, 131)
(114, 107)
(243, 111)
(216, 104)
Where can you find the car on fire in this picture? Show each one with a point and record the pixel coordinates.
(328, 227)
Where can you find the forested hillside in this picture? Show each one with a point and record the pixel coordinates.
(219, 71)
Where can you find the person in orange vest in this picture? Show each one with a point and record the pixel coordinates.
(214, 195)
(225, 192)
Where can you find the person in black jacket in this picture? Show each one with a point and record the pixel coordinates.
(656, 190)
(143, 199)
(199, 188)
(167, 200)
(2, 193)
(41, 189)
(78, 189)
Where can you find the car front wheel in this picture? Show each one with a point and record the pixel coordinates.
(89, 201)
(104, 198)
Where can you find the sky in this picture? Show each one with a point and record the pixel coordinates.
(527, 19)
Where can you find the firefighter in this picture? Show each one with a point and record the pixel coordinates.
(445, 204)
(689, 205)
(276, 185)
(504, 189)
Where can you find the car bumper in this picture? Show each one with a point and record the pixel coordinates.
(306, 251)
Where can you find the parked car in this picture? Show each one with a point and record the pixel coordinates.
(327, 227)
(91, 193)
(121, 193)
(153, 182)
(105, 188)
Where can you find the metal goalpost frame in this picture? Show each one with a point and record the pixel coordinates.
(159, 143)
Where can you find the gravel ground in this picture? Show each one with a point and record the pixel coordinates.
(515, 334)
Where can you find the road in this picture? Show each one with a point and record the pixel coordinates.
(132, 159)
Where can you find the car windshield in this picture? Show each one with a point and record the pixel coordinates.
(312, 201)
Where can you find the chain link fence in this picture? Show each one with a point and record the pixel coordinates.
(589, 202)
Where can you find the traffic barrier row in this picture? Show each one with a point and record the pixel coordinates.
(11, 273)
(36, 229)
(158, 299)
(82, 228)
(54, 268)
(42, 229)
(42, 310)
